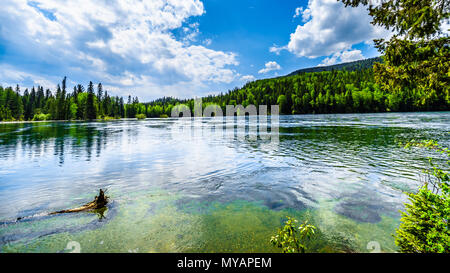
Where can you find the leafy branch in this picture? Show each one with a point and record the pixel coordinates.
(291, 238)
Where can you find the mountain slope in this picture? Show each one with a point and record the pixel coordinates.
(350, 66)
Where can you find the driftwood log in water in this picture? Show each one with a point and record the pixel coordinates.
(99, 202)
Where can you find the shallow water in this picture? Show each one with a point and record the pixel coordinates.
(199, 188)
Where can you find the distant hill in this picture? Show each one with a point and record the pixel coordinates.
(350, 66)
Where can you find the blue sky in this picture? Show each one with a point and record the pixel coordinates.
(180, 48)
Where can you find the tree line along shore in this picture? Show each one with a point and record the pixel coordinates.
(335, 91)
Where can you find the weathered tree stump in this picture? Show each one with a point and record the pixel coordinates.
(99, 202)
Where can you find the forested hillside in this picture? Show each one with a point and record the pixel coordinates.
(351, 89)
(350, 66)
(336, 91)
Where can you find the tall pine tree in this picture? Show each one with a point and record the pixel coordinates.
(90, 111)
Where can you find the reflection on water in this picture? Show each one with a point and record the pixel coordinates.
(203, 188)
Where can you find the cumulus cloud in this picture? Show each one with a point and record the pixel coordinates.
(330, 28)
(128, 43)
(306, 14)
(270, 66)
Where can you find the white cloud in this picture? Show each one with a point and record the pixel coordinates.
(351, 55)
(207, 42)
(116, 39)
(96, 44)
(331, 28)
(9, 76)
(270, 66)
(445, 27)
(248, 78)
(191, 32)
(298, 11)
(330, 60)
(343, 57)
(275, 49)
(306, 15)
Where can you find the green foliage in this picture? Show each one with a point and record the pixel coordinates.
(282, 102)
(141, 116)
(411, 18)
(291, 238)
(319, 92)
(90, 111)
(11, 104)
(422, 66)
(73, 108)
(425, 226)
(34, 104)
(417, 57)
(41, 117)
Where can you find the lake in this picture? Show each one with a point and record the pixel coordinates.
(178, 185)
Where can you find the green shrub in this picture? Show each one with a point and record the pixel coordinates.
(141, 116)
(163, 116)
(425, 223)
(291, 238)
(41, 117)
